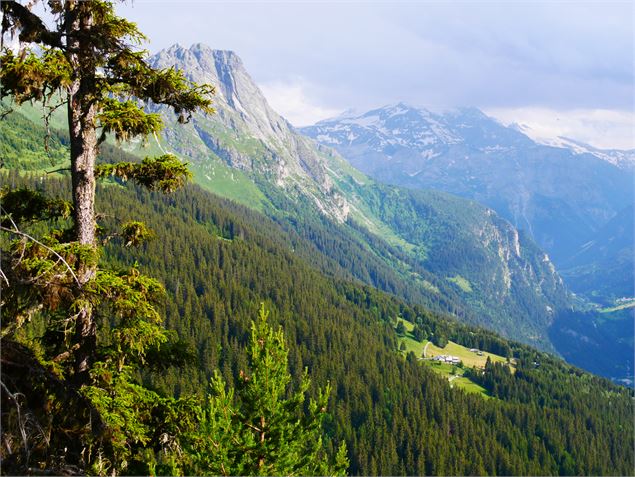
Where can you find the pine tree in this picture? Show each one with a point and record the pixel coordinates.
(87, 329)
(263, 427)
(88, 63)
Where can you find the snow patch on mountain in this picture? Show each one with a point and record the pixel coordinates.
(619, 158)
(624, 159)
(558, 194)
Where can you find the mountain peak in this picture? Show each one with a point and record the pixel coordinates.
(468, 112)
(399, 108)
(275, 149)
(203, 64)
(177, 50)
(200, 51)
(201, 47)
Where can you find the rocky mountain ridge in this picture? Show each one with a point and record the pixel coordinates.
(447, 253)
(245, 132)
(442, 251)
(622, 158)
(465, 152)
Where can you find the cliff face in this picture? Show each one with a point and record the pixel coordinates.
(508, 280)
(245, 132)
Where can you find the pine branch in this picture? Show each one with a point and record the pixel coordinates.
(25, 235)
(32, 28)
(59, 170)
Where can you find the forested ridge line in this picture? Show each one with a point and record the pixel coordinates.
(129, 344)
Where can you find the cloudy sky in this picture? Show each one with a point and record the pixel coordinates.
(560, 67)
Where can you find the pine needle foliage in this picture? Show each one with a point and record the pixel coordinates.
(165, 173)
(87, 327)
(262, 427)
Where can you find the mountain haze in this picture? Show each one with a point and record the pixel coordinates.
(198, 290)
(624, 159)
(219, 260)
(603, 266)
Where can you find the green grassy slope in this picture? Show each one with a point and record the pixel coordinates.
(425, 350)
(426, 238)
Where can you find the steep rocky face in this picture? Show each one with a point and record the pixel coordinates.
(451, 254)
(482, 257)
(559, 195)
(245, 132)
(237, 97)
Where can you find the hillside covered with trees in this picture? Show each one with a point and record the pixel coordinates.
(218, 261)
(152, 328)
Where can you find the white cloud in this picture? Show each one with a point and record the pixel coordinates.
(292, 100)
(601, 128)
(559, 55)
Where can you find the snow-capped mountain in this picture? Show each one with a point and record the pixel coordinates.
(395, 130)
(453, 255)
(624, 159)
(560, 195)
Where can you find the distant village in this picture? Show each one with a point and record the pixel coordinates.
(446, 358)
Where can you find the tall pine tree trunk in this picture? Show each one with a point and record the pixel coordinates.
(83, 141)
(83, 137)
(83, 155)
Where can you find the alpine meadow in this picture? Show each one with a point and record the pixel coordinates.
(193, 285)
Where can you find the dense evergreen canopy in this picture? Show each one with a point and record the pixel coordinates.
(219, 260)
